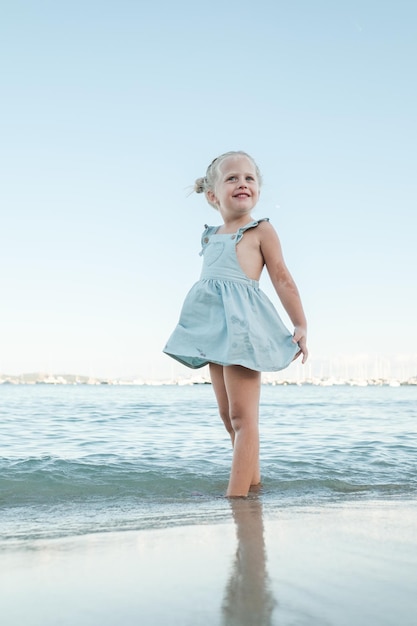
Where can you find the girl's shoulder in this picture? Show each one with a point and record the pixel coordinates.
(267, 235)
(255, 225)
(264, 225)
(264, 228)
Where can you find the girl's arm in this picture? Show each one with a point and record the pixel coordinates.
(284, 285)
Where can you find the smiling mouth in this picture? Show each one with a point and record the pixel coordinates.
(242, 195)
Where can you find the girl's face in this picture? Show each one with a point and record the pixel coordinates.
(237, 186)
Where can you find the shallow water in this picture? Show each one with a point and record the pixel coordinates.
(80, 459)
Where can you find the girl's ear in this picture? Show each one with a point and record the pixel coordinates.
(211, 197)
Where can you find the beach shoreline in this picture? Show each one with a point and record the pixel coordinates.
(341, 564)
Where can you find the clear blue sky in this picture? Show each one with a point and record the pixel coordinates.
(110, 110)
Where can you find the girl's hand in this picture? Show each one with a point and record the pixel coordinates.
(300, 337)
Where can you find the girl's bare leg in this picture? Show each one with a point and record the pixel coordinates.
(243, 390)
(237, 392)
(217, 381)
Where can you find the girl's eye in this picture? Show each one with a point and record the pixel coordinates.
(232, 178)
(250, 178)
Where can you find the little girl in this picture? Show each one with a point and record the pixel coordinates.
(227, 321)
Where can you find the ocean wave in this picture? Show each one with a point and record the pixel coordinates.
(84, 461)
(51, 480)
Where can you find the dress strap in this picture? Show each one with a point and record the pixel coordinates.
(208, 230)
(253, 224)
(211, 230)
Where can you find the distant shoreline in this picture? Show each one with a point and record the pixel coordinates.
(267, 379)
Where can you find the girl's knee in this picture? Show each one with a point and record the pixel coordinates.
(241, 419)
(226, 421)
(243, 415)
(236, 422)
(229, 427)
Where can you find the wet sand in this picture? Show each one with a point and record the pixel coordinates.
(336, 565)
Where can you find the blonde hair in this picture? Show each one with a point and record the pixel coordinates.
(209, 181)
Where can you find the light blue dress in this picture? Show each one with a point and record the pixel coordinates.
(226, 318)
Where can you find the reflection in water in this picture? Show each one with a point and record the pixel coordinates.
(248, 598)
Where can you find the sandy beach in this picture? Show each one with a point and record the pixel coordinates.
(334, 565)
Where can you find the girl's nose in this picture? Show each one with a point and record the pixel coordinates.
(242, 183)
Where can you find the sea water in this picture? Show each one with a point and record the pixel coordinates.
(77, 459)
